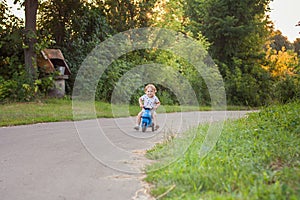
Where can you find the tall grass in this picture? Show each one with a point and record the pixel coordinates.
(257, 157)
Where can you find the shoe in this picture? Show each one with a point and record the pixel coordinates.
(156, 127)
(137, 127)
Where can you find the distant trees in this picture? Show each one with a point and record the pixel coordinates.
(12, 71)
(278, 41)
(238, 35)
(237, 31)
(17, 50)
(297, 46)
(123, 15)
(281, 63)
(11, 52)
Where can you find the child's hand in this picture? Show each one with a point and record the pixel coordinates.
(141, 106)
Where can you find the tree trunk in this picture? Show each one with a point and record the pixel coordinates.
(30, 38)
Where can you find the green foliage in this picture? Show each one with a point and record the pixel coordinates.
(76, 31)
(166, 97)
(234, 32)
(278, 41)
(187, 71)
(284, 68)
(235, 28)
(249, 89)
(237, 31)
(173, 17)
(11, 52)
(174, 68)
(15, 89)
(123, 15)
(14, 84)
(256, 157)
(297, 46)
(19, 88)
(286, 90)
(111, 77)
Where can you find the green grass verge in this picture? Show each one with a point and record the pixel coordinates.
(257, 157)
(53, 110)
(35, 112)
(48, 110)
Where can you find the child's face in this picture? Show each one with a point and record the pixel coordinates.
(150, 92)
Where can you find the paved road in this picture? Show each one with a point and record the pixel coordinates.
(86, 160)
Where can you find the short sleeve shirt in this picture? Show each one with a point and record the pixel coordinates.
(149, 102)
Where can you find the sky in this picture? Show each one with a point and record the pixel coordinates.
(284, 13)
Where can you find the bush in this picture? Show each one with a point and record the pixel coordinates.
(16, 89)
(287, 89)
(19, 88)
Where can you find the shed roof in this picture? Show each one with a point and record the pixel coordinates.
(50, 59)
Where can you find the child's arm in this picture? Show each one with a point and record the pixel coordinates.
(157, 105)
(141, 102)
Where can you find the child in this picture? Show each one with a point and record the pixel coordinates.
(148, 100)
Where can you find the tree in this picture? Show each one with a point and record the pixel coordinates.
(236, 28)
(281, 63)
(11, 52)
(123, 15)
(170, 14)
(56, 19)
(284, 67)
(76, 27)
(278, 41)
(297, 46)
(31, 7)
(237, 31)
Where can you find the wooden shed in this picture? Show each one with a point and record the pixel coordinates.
(51, 60)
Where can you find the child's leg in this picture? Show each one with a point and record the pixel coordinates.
(138, 120)
(154, 120)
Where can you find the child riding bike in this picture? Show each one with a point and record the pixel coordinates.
(148, 100)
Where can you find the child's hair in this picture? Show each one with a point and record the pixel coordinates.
(150, 86)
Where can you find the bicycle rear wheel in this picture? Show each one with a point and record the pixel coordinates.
(144, 127)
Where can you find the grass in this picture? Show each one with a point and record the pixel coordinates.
(49, 110)
(257, 157)
(53, 110)
(34, 112)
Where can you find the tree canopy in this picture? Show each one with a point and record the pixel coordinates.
(238, 35)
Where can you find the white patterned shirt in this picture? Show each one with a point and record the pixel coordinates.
(149, 102)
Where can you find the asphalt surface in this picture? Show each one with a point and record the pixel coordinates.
(86, 160)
